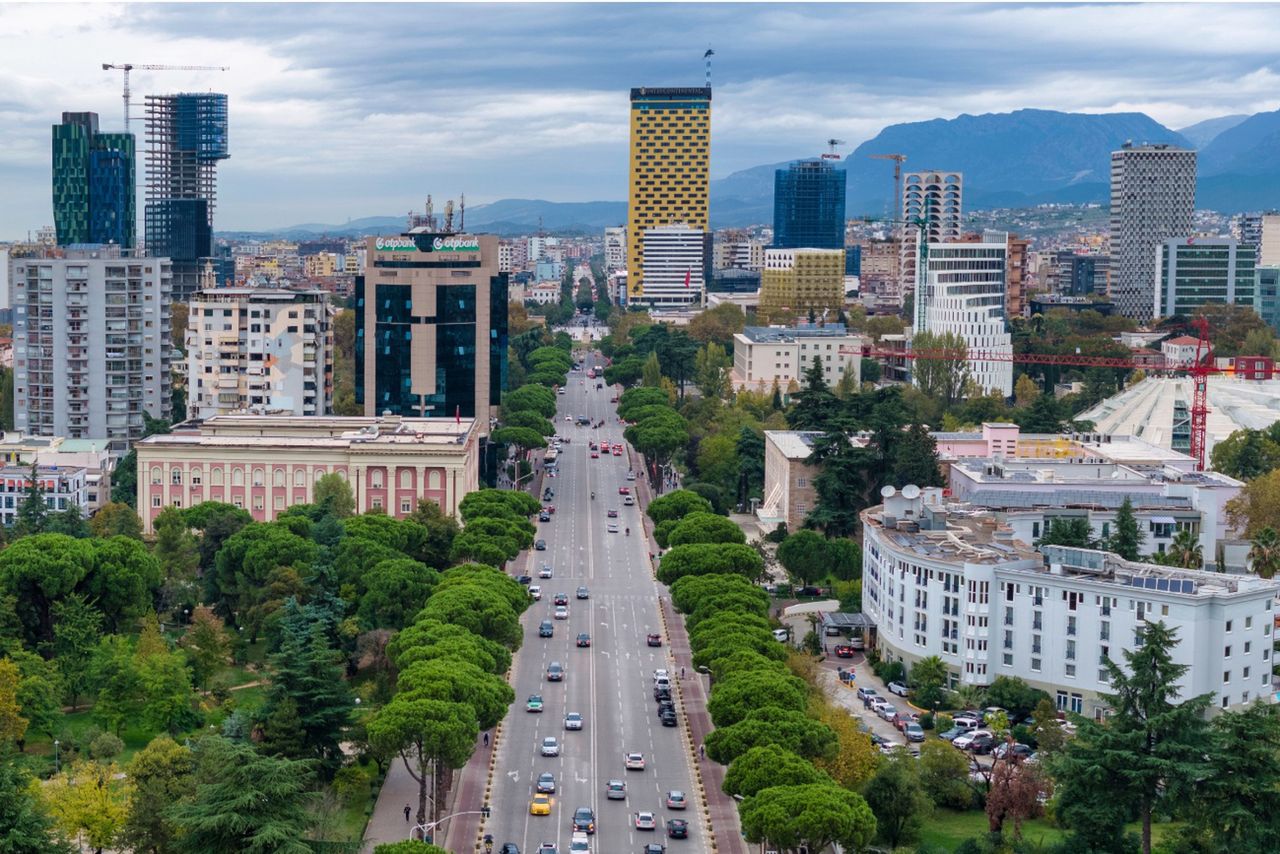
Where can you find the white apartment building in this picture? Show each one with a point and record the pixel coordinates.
(506, 256)
(63, 487)
(58, 453)
(958, 585)
(543, 293)
(91, 343)
(615, 248)
(261, 350)
(938, 199)
(964, 293)
(1269, 240)
(673, 267)
(763, 355)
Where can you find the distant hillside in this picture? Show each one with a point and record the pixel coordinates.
(1202, 133)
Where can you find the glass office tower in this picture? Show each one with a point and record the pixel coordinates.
(808, 206)
(94, 181)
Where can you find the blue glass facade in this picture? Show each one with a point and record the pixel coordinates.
(808, 206)
(94, 181)
(200, 122)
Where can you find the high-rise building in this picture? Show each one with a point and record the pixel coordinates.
(1268, 302)
(91, 333)
(670, 170)
(937, 198)
(1269, 240)
(615, 248)
(186, 137)
(261, 350)
(1081, 275)
(808, 206)
(1193, 271)
(94, 183)
(431, 326)
(798, 282)
(964, 293)
(675, 262)
(1153, 194)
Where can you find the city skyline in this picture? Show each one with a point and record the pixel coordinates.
(331, 105)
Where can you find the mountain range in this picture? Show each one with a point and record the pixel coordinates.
(1019, 159)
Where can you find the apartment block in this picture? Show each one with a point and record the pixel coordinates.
(937, 200)
(763, 355)
(797, 283)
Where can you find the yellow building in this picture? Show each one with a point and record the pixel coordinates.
(670, 167)
(797, 281)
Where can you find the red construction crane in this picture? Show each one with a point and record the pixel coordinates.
(1199, 371)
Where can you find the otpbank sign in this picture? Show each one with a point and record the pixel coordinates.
(427, 243)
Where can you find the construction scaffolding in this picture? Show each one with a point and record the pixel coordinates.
(186, 136)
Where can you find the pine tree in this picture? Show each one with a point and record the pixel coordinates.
(282, 730)
(1128, 537)
(308, 671)
(33, 513)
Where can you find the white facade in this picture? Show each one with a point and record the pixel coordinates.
(959, 586)
(938, 199)
(1153, 193)
(544, 293)
(91, 344)
(506, 256)
(765, 354)
(63, 487)
(673, 266)
(615, 248)
(1269, 245)
(259, 350)
(964, 293)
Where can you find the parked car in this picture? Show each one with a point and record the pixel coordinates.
(913, 732)
(888, 713)
(1004, 750)
(865, 693)
(965, 740)
(898, 688)
(952, 734)
(983, 742)
(844, 651)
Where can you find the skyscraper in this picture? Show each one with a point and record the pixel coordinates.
(808, 206)
(1192, 271)
(1153, 195)
(797, 283)
(936, 198)
(94, 183)
(186, 137)
(670, 169)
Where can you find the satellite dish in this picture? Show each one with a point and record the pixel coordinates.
(887, 492)
(911, 491)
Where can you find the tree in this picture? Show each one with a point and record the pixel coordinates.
(1044, 415)
(430, 639)
(163, 774)
(165, 685)
(706, 558)
(425, 733)
(718, 325)
(805, 556)
(1150, 749)
(1246, 454)
(89, 798)
(813, 815)
(741, 693)
(32, 512)
(476, 610)
(705, 528)
(855, 758)
(13, 726)
(1264, 552)
(411, 846)
(395, 590)
(927, 679)
(1046, 729)
(39, 571)
(712, 371)
(897, 800)
(944, 379)
(332, 494)
(244, 801)
(70, 522)
(1014, 794)
(521, 438)
(216, 522)
(944, 775)
(915, 459)
(116, 519)
(114, 676)
(750, 448)
(25, 827)
(243, 571)
(282, 730)
(792, 731)
(766, 766)
(1014, 695)
(39, 693)
(530, 420)
(459, 681)
(816, 405)
(206, 643)
(175, 546)
(676, 505)
(1025, 390)
(1185, 550)
(689, 592)
(122, 580)
(309, 671)
(1067, 532)
(441, 529)
(76, 630)
(1128, 536)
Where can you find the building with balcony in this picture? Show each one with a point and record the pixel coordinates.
(58, 453)
(262, 350)
(266, 464)
(956, 583)
(62, 486)
(91, 343)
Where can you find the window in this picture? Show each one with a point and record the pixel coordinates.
(1226, 652)
(1071, 626)
(1077, 703)
(1036, 620)
(237, 502)
(1008, 640)
(802, 482)
(1226, 676)
(257, 502)
(259, 478)
(197, 477)
(1227, 628)
(237, 477)
(277, 477)
(155, 475)
(217, 476)
(406, 479)
(1248, 622)
(1226, 700)
(377, 504)
(1071, 650)
(1244, 674)
(299, 477)
(1070, 671)
(1035, 665)
(1104, 630)
(404, 506)
(1008, 616)
(155, 501)
(278, 502)
(1248, 647)
(1008, 659)
(1062, 701)
(376, 479)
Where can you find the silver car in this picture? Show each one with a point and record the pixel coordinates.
(551, 746)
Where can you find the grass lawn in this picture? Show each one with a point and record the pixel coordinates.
(948, 828)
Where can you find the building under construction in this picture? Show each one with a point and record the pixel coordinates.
(186, 136)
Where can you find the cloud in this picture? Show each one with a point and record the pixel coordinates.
(346, 110)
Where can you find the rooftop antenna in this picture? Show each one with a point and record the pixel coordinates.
(707, 56)
(448, 216)
(431, 218)
(462, 211)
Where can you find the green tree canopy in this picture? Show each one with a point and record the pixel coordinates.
(766, 766)
(459, 682)
(475, 609)
(705, 528)
(687, 592)
(813, 815)
(677, 505)
(431, 639)
(332, 495)
(395, 590)
(792, 731)
(897, 800)
(531, 398)
(706, 558)
(741, 693)
(38, 571)
(422, 732)
(163, 774)
(634, 399)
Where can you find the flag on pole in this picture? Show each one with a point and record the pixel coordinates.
(688, 275)
(709, 53)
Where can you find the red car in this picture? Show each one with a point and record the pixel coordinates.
(624, 490)
(844, 651)
(594, 455)
(617, 452)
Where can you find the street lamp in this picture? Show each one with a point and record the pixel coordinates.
(56, 765)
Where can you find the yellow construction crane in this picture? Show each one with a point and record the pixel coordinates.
(898, 160)
(126, 67)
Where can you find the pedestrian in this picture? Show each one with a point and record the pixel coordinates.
(406, 813)
(486, 739)
(702, 751)
(682, 671)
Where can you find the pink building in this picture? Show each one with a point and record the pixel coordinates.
(997, 439)
(267, 464)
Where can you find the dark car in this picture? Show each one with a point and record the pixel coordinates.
(546, 629)
(509, 848)
(584, 639)
(666, 707)
(584, 820)
(983, 744)
(582, 592)
(662, 693)
(677, 828)
(524, 579)
(653, 848)
(544, 516)
(809, 591)
(560, 599)
(668, 718)
(844, 651)
(540, 545)
(546, 783)
(653, 639)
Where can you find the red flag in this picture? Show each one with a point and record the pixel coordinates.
(457, 415)
(688, 274)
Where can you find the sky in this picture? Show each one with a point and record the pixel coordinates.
(340, 111)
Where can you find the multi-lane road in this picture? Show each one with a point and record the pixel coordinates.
(610, 683)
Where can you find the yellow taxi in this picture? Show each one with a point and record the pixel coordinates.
(540, 805)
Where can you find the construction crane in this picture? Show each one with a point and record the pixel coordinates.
(126, 67)
(831, 144)
(898, 160)
(1199, 371)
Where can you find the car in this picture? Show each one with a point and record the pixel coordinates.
(540, 545)
(965, 740)
(631, 475)
(668, 719)
(584, 820)
(544, 516)
(569, 418)
(635, 761)
(579, 844)
(1005, 750)
(661, 674)
(676, 800)
(573, 721)
(844, 651)
(546, 783)
(595, 455)
(617, 452)
(534, 703)
(548, 494)
(887, 712)
(524, 579)
(628, 500)
(545, 571)
(781, 635)
(876, 703)
(560, 599)
(677, 828)
(662, 693)
(546, 629)
(645, 821)
(624, 490)
(982, 743)
(560, 390)
(535, 592)
(551, 746)
(612, 528)
(965, 723)
(612, 513)
(561, 612)
(904, 718)
(653, 848)
(550, 508)
(952, 734)
(653, 639)
(809, 590)
(616, 790)
(584, 639)
(990, 711)
(593, 446)
(555, 672)
(547, 848)
(897, 688)
(509, 848)
(582, 592)
(540, 805)
(913, 732)
(865, 693)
